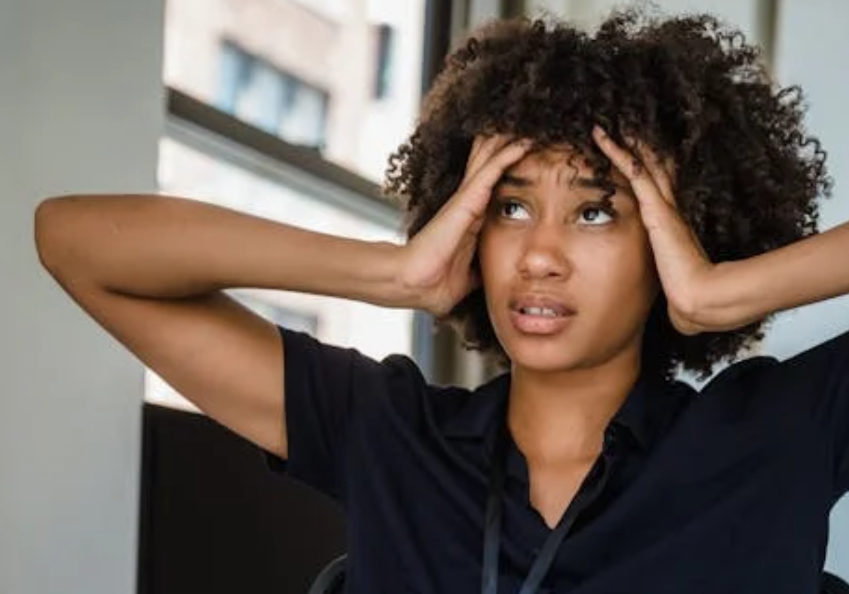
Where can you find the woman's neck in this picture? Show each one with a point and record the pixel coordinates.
(555, 417)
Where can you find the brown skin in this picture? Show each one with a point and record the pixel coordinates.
(551, 237)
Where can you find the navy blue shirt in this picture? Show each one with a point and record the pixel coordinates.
(722, 491)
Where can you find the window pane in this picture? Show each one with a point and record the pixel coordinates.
(342, 76)
(257, 187)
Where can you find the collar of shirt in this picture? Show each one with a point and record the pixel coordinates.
(644, 416)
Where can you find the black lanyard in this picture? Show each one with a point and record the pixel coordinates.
(494, 512)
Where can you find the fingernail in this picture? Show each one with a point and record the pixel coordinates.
(600, 131)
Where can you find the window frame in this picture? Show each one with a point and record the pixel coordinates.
(203, 126)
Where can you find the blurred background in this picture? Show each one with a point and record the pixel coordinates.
(287, 109)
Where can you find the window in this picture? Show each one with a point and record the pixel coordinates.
(385, 51)
(341, 75)
(271, 99)
(198, 164)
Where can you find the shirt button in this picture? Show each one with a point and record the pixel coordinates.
(610, 438)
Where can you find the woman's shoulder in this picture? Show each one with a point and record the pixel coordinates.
(827, 356)
(739, 373)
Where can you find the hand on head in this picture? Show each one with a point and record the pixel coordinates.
(682, 264)
(437, 262)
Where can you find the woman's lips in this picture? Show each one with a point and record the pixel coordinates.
(540, 315)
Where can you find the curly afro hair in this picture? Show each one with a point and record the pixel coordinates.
(747, 174)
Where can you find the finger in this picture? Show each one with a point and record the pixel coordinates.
(483, 150)
(477, 143)
(490, 172)
(645, 189)
(660, 170)
(476, 191)
(486, 147)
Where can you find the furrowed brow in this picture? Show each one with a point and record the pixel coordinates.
(513, 181)
(606, 186)
(591, 183)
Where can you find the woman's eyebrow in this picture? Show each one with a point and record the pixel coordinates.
(513, 180)
(592, 183)
(518, 181)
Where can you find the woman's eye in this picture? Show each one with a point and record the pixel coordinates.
(513, 210)
(596, 215)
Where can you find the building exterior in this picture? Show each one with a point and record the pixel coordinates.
(342, 77)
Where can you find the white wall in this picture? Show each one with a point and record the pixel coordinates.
(81, 111)
(811, 48)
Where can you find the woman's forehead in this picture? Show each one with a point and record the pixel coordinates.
(568, 165)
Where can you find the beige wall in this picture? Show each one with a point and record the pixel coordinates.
(83, 113)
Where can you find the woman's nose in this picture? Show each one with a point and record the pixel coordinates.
(544, 254)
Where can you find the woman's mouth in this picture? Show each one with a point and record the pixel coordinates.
(540, 315)
(545, 312)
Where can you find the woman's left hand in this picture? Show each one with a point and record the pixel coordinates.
(685, 271)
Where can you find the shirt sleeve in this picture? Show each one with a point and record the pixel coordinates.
(823, 373)
(327, 388)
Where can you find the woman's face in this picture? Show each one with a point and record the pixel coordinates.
(568, 273)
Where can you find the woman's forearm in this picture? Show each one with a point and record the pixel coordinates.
(813, 269)
(163, 247)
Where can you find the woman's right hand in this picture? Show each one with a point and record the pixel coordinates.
(435, 265)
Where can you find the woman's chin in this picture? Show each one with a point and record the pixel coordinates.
(544, 358)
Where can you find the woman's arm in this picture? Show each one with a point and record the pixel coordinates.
(164, 247)
(708, 297)
(148, 269)
(736, 293)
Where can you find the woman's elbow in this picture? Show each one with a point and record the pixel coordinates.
(52, 228)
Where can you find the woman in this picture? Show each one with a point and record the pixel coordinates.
(596, 211)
